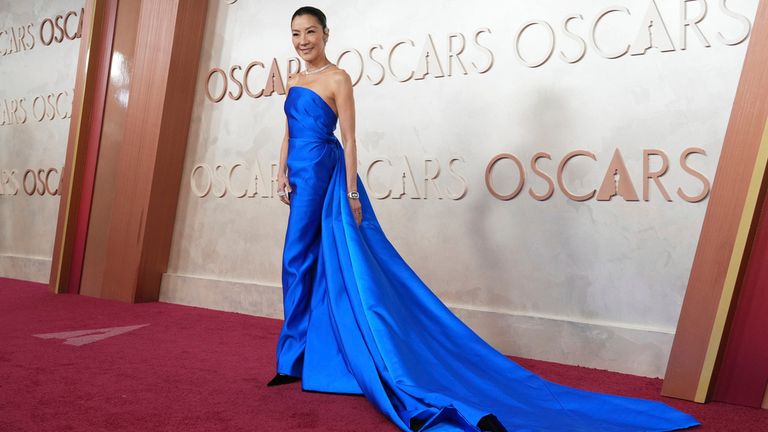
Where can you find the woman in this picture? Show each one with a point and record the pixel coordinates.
(358, 320)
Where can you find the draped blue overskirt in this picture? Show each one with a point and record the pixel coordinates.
(359, 320)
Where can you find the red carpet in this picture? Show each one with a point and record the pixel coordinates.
(193, 369)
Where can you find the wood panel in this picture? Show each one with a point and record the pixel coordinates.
(728, 227)
(153, 149)
(84, 130)
(102, 80)
(742, 377)
(112, 132)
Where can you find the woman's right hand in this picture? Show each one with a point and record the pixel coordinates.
(284, 186)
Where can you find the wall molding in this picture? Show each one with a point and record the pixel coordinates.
(615, 346)
(29, 268)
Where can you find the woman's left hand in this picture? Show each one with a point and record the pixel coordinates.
(357, 209)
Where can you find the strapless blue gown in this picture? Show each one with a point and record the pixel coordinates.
(358, 320)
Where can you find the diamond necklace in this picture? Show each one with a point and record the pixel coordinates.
(307, 72)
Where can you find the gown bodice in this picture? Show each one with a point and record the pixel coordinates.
(309, 116)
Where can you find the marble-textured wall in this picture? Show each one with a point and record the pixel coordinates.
(39, 43)
(592, 280)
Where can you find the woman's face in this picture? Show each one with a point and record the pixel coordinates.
(308, 37)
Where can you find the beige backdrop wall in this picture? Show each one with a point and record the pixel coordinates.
(593, 280)
(39, 43)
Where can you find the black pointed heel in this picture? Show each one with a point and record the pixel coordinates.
(280, 379)
(490, 423)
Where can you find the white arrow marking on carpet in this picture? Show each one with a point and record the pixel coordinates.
(82, 337)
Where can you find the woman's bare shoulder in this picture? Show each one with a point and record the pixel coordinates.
(341, 79)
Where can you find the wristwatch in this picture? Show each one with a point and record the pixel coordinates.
(353, 195)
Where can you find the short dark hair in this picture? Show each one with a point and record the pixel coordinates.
(315, 12)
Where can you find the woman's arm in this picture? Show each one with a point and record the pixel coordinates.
(282, 171)
(345, 103)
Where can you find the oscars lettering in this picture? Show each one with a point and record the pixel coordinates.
(30, 182)
(51, 30)
(55, 105)
(534, 43)
(430, 177)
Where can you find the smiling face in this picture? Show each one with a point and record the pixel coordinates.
(308, 37)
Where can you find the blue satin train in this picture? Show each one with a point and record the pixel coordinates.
(358, 320)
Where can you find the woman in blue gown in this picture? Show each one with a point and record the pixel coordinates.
(358, 320)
